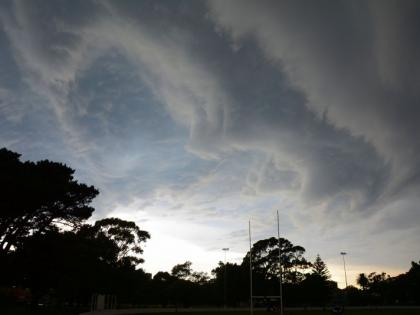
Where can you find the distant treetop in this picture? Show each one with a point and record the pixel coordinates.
(320, 268)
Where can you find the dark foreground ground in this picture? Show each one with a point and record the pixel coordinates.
(41, 311)
(311, 312)
(61, 311)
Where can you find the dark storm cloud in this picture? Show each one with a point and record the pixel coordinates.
(356, 59)
(223, 107)
(47, 35)
(256, 108)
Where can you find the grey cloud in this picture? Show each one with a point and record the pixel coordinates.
(101, 83)
(216, 112)
(271, 178)
(334, 53)
(297, 86)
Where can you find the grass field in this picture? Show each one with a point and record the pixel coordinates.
(311, 312)
(29, 311)
(307, 312)
(26, 311)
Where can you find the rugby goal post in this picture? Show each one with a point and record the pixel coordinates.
(251, 296)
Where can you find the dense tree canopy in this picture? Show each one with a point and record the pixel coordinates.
(363, 281)
(74, 263)
(36, 197)
(125, 235)
(182, 271)
(265, 259)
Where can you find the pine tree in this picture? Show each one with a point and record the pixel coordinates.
(320, 268)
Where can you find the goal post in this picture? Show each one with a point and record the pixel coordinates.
(251, 296)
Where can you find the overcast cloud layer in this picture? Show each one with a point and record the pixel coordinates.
(192, 117)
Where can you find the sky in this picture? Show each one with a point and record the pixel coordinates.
(194, 117)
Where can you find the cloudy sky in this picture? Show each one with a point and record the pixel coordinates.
(192, 117)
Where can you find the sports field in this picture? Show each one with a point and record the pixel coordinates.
(311, 312)
(24, 311)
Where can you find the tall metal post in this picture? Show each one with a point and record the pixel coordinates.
(344, 262)
(251, 306)
(280, 267)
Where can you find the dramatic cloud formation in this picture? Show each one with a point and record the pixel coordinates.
(191, 117)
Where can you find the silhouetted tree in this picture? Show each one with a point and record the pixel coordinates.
(265, 259)
(163, 276)
(182, 271)
(320, 268)
(67, 264)
(184, 286)
(353, 296)
(36, 197)
(411, 284)
(75, 264)
(163, 286)
(237, 283)
(126, 235)
(381, 289)
(200, 277)
(317, 290)
(363, 281)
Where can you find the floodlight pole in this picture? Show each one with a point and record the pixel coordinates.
(251, 308)
(280, 267)
(344, 262)
(225, 282)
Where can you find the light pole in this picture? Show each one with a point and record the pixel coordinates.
(226, 249)
(344, 262)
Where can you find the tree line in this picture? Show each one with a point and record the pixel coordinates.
(50, 255)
